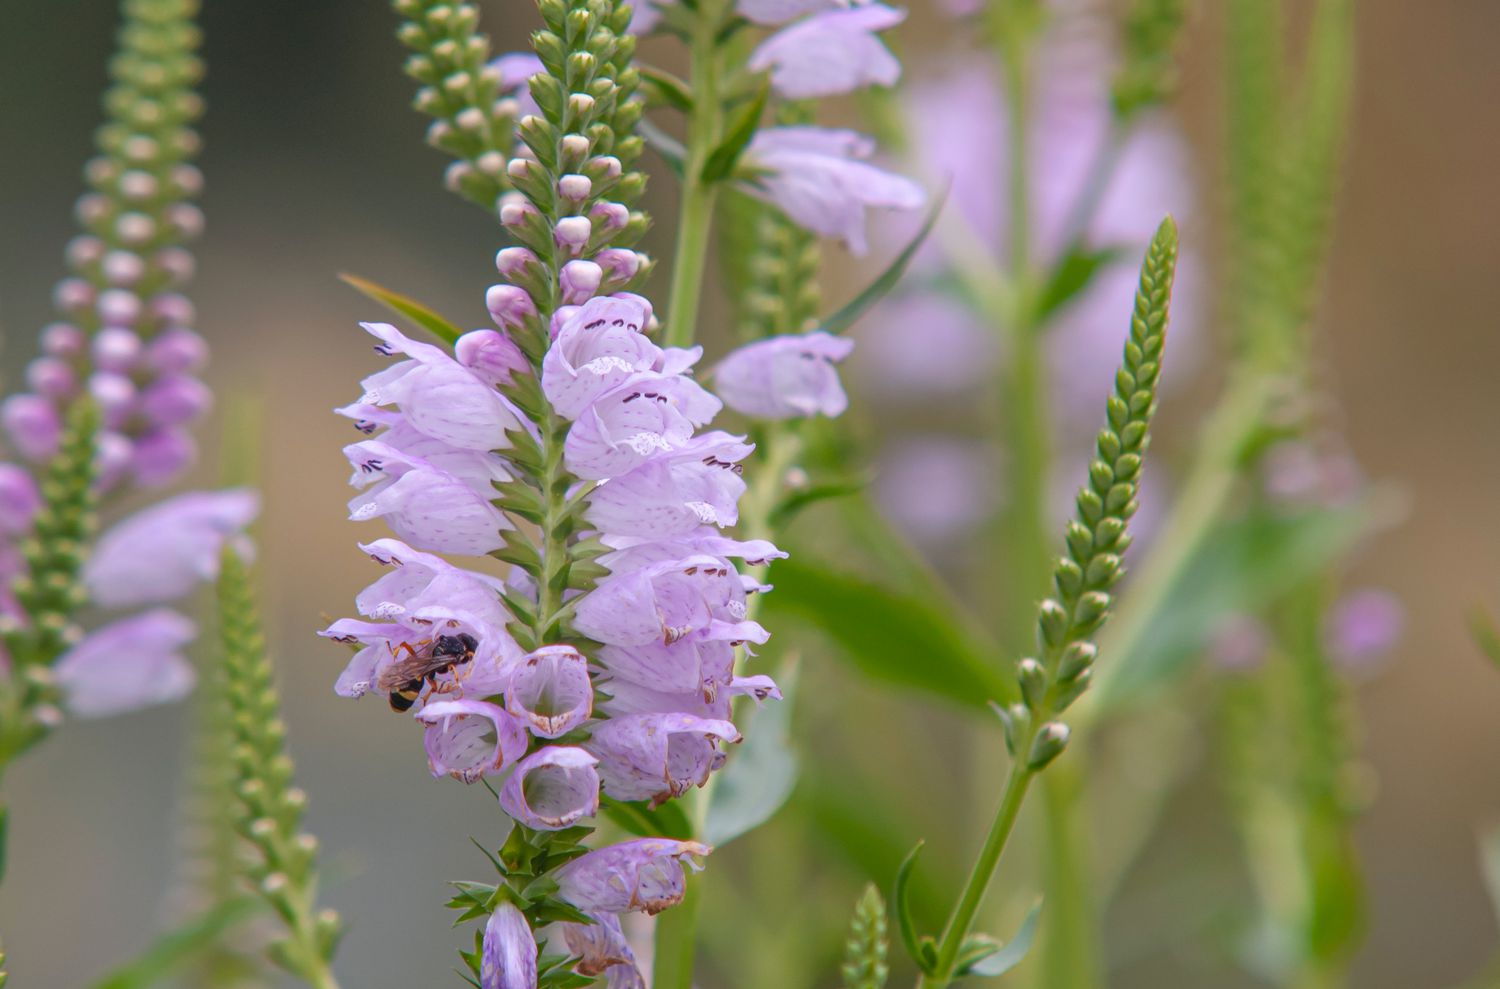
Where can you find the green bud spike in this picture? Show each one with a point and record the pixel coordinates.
(865, 952)
(270, 811)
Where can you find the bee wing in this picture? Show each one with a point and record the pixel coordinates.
(414, 667)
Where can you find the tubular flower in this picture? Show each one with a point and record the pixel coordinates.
(566, 443)
(831, 52)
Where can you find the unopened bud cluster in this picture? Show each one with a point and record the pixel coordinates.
(268, 808)
(1097, 538)
(125, 338)
(474, 101)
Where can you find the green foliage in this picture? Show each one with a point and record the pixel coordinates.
(984, 956)
(761, 776)
(865, 952)
(910, 638)
(174, 951)
(1242, 567)
(1148, 73)
(721, 161)
(269, 810)
(848, 314)
(922, 950)
(1097, 538)
(445, 330)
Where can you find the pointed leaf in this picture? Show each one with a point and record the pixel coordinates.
(667, 89)
(1072, 274)
(407, 307)
(999, 959)
(887, 280)
(741, 130)
(761, 773)
(902, 906)
(667, 821)
(914, 640)
(671, 150)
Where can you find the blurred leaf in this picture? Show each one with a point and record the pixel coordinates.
(923, 641)
(990, 958)
(802, 498)
(669, 820)
(671, 150)
(175, 949)
(761, 775)
(1489, 865)
(902, 906)
(666, 88)
(407, 307)
(1241, 568)
(862, 303)
(721, 161)
(1071, 276)
(1481, 626)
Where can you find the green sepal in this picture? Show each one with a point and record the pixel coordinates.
(982, 955)
(721, 162)
(901, 904)
(878, 289)
(521, 500)
(405, 306)
(517, 549)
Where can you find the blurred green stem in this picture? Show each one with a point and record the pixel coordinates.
(696, 211)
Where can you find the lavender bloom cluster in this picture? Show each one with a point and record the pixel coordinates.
(567, 443)
(125, 344)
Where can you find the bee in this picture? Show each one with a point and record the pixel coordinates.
(403, 680)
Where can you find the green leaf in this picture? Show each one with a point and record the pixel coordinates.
(671, 150)
(669, 820)
(852, 310)
(762, 772)
(1072, 274)
(667, 89)
(790, 506)
(407, 307)
(173, 950)
(902, 906)
(909, 639)
(721, 161)
(989, 958)
(1241, 568)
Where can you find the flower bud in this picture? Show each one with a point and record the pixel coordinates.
(1033, 680)
(513, 262)
(51, 378)
(123, 268)
(63, 340)
(1048, 744)
(573, 232)
(579, 281)
(613, 216)
(491, 355)
(113, 455)
(135, 228)
(509, 305)
(115, 394)
(177, 350)
(118, 307)
(620, 264)
(161, 455)
(574, 187)
(73, 295)
(175, 399)
(32, 424)
(84, 250)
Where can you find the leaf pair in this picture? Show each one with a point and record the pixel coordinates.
(980, 955)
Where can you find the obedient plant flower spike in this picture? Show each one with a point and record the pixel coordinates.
(270, 808)
(865, 952)
(1066, 623)
(125, 337)
(474, 101)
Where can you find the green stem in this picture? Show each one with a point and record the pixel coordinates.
(1070, 955)
(676, 940)
(695, 215)
(962, 920)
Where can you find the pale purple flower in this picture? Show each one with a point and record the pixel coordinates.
(646, 414)
(32, 424)
(936, 488)
(160, 455)
(657, 757)
(642, 874)
(390, 642)
(772, 12)
(699, 596)
(817, 177)
(598, 347)
(128, 664)
(467, 739)
(425, 505)
(832, 52)
(19, 500)
(550, 691)
(675, 493)
(508, 959)
(628, 697)
(515, 70)
(691, 666)
(785, 377)
(164, 551)
(553, 788)
(437, 396)
(1363, 626)
(601, 949)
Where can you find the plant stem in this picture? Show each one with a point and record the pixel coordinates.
(696, 212)
(959, 924)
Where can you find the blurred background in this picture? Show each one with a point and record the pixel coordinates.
(316, 165)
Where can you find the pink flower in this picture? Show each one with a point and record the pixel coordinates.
(785, 377)
(127, 665)
(833, 51)
(657, 757)
(467, 739)
(817, 177)
(508, 959)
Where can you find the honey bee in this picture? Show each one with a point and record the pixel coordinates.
(403, 680)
